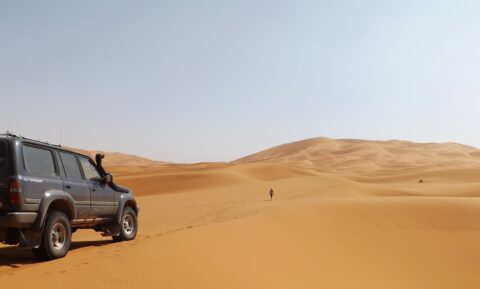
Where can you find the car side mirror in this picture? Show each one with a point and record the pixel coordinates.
(108, 178)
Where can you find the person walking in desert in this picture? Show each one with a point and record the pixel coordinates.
(271, 194)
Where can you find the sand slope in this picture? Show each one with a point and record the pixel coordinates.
(347, 214)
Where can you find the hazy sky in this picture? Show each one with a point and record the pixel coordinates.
(191, 81)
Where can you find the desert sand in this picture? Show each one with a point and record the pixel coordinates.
(346, 214)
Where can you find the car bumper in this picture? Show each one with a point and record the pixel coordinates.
(18, 220)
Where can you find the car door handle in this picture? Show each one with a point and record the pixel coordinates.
(94, 190)
(68, 187)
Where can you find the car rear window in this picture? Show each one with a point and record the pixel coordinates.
(70, 165)
(38, 160)
(3, 158)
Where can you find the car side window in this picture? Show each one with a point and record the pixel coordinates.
(89, 169)
(38, 160)
(70, 164)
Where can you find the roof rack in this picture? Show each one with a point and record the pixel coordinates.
(8, 133)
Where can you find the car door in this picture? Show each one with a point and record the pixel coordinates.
(74, 184)
(101, 195)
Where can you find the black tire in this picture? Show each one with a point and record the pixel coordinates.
(128, 225)
(56, 237)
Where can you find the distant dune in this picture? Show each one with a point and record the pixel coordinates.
(359, 166)
(120, 163)
(361, 156)
(318, 155)
(346, 214)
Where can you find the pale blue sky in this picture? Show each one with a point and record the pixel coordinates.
(190, 81)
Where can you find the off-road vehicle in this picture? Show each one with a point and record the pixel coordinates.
(48, 192)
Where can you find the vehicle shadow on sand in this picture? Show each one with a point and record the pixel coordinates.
(15, 257)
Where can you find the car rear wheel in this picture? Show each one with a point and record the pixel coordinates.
(56, 237)
(128, 224)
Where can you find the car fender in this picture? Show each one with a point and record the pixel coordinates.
(48, 198)
(124, 198)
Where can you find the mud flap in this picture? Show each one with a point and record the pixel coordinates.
(30, 239)
(111, 230)
(3, 235)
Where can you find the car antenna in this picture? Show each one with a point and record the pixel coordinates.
(61, 133)
(9, 133)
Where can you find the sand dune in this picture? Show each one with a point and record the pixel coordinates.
(346, 214)
(358, 156)
(120, 163)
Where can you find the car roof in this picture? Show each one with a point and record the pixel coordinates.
(22, 139)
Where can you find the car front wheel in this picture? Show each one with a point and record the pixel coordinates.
(128, 224)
